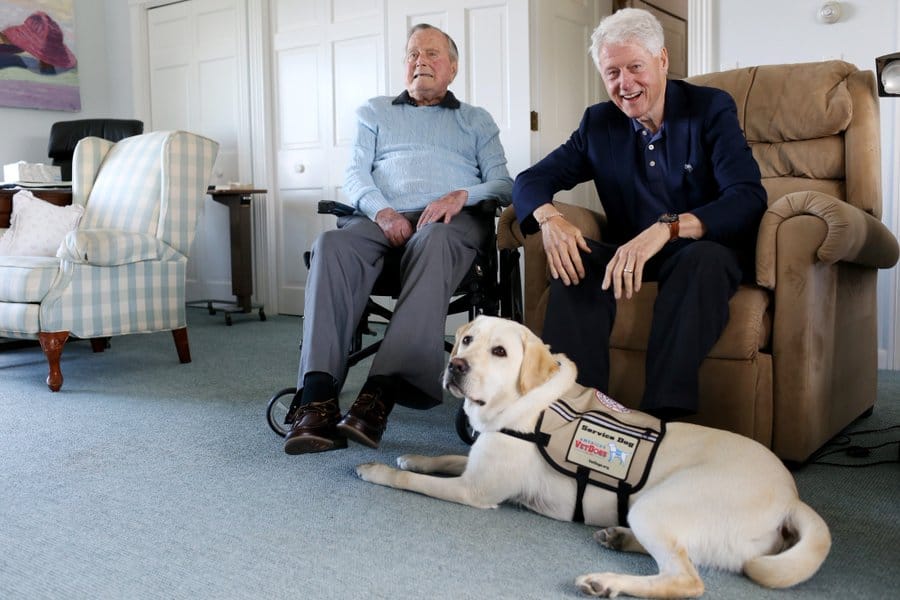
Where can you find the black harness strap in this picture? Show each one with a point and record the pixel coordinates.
(535, 437)
(622, 495)
(582, 475)
(541, 439)
(581, 479)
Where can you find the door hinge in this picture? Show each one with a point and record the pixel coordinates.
(534, 120)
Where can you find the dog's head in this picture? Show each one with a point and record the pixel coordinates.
(506, 374)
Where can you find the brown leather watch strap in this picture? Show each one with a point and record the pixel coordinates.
(672, 220)
(673, 230)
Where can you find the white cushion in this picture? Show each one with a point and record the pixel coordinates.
(36, 227)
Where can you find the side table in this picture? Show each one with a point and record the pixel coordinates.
(239, 217)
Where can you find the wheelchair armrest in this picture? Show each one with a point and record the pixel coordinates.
(490, 206)
(331, 207)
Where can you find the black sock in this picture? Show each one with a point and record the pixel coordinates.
(387, 385)
(318, 387)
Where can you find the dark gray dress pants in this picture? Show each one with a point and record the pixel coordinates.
(344, 265)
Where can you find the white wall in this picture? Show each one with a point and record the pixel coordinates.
(103, 48)
(774, 32)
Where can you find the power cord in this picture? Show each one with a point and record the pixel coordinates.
(847, 444)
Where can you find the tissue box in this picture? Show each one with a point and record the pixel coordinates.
(24, 172)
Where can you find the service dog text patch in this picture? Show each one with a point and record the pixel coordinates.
(587, 435)
(602, 449)
(586, 430)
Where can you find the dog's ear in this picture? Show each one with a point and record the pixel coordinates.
(460, 332)
(538, 365)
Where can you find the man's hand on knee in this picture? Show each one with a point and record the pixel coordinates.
(444, 208)
(396, 228)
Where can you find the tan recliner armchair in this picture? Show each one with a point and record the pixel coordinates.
(797, 361)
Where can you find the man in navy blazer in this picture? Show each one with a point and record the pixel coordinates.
(683, 200)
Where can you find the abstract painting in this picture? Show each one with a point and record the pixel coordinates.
(38, 68)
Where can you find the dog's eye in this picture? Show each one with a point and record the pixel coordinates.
(498, 351)
(466, 340)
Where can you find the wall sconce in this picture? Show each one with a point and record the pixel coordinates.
(887, 72)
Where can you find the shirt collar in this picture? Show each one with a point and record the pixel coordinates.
(638, 128)
(448, 101)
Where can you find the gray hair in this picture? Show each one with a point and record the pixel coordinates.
(454, 51)
(628, 25)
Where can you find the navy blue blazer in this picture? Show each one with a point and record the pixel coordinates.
(710, 169)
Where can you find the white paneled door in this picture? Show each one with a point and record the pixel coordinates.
(567, 81)
(197, 56)
(328, 58)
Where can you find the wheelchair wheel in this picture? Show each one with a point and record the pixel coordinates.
(277, 410)
(464, 428)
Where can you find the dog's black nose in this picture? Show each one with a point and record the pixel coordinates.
(458, 366)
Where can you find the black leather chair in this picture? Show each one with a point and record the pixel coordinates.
(64, 136)
(491, 287)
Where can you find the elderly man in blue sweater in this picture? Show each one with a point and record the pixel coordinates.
(418, 160)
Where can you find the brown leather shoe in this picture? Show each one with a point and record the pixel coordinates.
(366, 420)
(314, 429)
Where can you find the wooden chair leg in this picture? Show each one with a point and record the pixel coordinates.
(99, 344)
(181, 344)
(52, 345)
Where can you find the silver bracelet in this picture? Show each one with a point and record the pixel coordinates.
(542, 222)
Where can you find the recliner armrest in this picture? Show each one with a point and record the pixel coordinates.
(537, 273)
(111, 247)
(852, 235)
(510, 236)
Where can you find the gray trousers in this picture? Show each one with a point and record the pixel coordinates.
(344, 265)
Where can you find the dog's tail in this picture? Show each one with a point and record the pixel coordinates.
(800, 561)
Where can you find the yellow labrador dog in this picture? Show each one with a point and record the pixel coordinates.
(712, 498)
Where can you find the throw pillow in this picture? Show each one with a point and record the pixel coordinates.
(36, 227)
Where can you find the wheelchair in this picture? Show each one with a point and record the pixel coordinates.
(492, 286)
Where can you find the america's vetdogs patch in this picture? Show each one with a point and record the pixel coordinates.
(602, 449)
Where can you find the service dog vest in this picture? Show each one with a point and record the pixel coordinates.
(591, 437)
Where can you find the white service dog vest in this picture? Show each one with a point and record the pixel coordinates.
(591, 437)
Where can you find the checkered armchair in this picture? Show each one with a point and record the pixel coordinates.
(123, 269)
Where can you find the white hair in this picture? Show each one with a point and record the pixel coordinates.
(628, 25)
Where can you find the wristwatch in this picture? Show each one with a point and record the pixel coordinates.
(670, 219)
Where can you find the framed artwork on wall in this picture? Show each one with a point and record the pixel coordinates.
(38, 67)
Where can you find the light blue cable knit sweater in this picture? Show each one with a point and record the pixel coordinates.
(406, 156)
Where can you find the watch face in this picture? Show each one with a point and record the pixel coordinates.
(668, 218)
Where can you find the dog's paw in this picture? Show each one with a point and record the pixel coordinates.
(614, 538)
(619, 538)
(374, 472)
(412, 462)
(602, 585)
